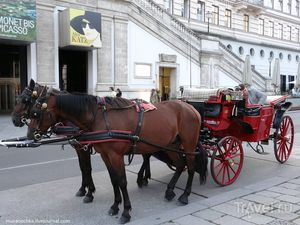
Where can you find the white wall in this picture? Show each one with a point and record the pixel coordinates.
(145, 48)
(287, 67)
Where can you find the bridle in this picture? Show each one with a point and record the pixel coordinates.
(38, 112)
(27, 98)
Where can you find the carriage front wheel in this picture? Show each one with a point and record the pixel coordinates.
(284, 139)
(227, 160)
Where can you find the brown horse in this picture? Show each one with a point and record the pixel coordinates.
(173, 124)
(20, 115)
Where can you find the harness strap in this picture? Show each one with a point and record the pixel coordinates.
(137, 131)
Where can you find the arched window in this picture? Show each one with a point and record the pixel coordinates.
(241, 50)
(280, 55)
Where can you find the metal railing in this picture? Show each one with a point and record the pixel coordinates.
(252, 2)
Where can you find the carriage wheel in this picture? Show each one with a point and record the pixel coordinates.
(284, 139)
(227, 161)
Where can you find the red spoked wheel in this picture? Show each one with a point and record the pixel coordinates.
(284, 139)
(227, 161)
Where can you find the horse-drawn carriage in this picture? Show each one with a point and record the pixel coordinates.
(114, 128)
(228, 120)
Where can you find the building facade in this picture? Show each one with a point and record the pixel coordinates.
(263, 29)
(136, 45)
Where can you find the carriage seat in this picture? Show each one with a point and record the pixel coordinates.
(212, 109)
(206, 109)
(249, 111)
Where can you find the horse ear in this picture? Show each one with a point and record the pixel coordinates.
(44, 91)
(31, 84)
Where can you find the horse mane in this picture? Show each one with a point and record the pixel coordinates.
(77, 105)
(118, 103)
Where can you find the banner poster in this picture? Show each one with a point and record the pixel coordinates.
(18, 20)
(85, 28)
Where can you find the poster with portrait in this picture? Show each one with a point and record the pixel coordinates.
(81, 28)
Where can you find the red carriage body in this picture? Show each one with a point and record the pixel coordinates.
(228, 120)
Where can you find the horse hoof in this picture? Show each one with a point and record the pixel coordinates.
(169, 195)
(113, 212)
(139, 183)
(145, 182)
(183, 199)
(124, 219)
(80, 193)
(88, 199)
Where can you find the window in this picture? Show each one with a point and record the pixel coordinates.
(215, 18)
(241, 50)
(297, 34)
(280, 30)
(246, 23)
(229, 47)
(201, 11)
(289, 6)
(289, 57)
(271, 29)
(252, 52)
(262, 53)
(261, 25)
(288, 32)
(280, 55)
(269, 3)
(228, 18)
(281, 4)
(169, 5)
(297, 58)
(271, 54)
(186, 9)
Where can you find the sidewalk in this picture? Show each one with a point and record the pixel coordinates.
(273, 201)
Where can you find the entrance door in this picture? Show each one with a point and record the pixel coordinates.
(13, 75)
(164, 83)
(73, 71)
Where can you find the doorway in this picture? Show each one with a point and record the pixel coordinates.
(13, 75)
(73, 71)
(167, 82)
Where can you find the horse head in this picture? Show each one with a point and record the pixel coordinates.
(42, 115)
(24, 102)
(54, 106)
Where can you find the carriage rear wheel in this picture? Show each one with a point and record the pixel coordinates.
(227, 161)
(284, 139)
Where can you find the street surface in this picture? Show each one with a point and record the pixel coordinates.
(40, 183)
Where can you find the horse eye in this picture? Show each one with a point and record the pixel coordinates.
(35, 114)
(24, 100)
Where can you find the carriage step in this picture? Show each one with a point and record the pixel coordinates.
(264, 142)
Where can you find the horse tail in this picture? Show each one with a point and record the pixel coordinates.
(201, 161)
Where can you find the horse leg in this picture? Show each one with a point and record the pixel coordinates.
(116, 166)
(169, 195)
(183, 199)
(114, 209)
(88, 174)
(81, 192)
(127, 205)
(84, 158)
(142, 180)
